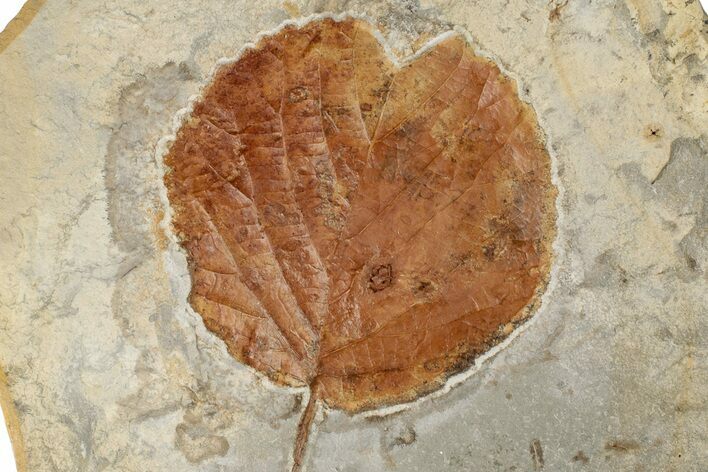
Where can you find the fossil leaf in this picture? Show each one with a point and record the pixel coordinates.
(357, 227)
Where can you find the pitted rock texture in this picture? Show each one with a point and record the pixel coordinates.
(358, 227)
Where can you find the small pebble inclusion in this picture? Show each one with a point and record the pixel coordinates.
(357, 227)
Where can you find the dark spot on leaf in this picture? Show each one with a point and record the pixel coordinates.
(381, 277)
(297, 94)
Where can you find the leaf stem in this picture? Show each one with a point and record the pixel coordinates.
(303, 429)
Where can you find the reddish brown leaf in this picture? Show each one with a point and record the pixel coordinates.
(355, 227)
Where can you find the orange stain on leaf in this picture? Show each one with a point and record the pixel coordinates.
(360, 228)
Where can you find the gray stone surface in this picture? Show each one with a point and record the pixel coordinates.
(108, 369)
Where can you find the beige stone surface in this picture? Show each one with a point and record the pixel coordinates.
(108, 369)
